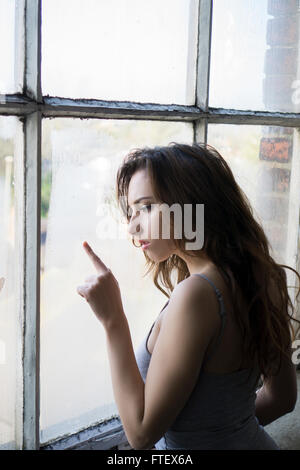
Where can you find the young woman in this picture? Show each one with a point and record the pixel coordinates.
(192, 383)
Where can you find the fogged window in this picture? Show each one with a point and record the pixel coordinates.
(133, 50)
(254, 55)
(80, 162)
(11, 18)
(10, 283)
(261, 159)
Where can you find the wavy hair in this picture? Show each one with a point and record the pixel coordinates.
(233, 240)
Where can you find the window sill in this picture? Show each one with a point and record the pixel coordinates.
(104, 436)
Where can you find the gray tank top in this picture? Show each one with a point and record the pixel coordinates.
(220, 412)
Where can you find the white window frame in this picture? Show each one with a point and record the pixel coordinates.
(31, 107)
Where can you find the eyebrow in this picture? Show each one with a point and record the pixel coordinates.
(141, 198)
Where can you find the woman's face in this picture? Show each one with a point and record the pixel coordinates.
(145, 219)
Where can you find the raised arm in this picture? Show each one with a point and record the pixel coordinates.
(147, 410)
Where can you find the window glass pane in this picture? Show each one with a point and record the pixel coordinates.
(11, 22)
(80, 162)
(133, 50)
(10, 282)
(254, 57)
(263, 160)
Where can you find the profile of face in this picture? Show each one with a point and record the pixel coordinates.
(145, 219)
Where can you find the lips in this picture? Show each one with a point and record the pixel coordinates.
(144, 242)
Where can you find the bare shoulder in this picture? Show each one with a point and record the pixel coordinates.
(195, 299)
(196, 288)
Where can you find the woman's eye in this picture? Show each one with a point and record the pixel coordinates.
(147, 206)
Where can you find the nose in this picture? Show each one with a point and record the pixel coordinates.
(134, 226)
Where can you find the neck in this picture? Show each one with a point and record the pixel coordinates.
(197, 264)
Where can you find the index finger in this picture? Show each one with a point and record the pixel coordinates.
(99, 265)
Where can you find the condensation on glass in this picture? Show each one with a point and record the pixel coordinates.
(137, 50)
(79, 167)
(10, 283)
(255, 55)
(262, 158)
(11, 46)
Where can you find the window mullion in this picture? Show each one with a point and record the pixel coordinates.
(192, 58)
(200, 131)
(32, 185)
(203, 66)
(32, 76)
(260, 118)
(32, 189)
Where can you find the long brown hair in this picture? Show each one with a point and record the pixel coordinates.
(233, 240)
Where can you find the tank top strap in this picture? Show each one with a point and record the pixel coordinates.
(218, 293)
(222, 312)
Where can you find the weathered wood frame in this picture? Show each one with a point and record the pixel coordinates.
(31, 107)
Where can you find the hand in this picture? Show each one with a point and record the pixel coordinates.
(102, 292)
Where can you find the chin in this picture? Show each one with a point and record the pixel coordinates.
(158, 259)
(158, 255)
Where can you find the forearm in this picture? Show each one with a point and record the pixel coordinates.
(128, 385)
(267, 409)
